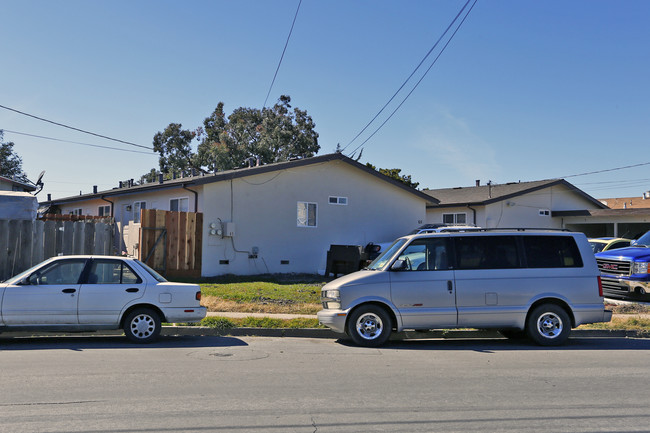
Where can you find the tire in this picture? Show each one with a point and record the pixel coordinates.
(142, 325)
(369, 326)
(548, 325)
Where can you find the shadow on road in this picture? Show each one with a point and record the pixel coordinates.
(86, 342)
(500, 345)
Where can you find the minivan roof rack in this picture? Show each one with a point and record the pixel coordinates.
(518, 229)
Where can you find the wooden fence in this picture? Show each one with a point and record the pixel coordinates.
(26, 243)
(171, 242)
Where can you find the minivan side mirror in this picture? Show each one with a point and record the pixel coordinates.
(399, 265)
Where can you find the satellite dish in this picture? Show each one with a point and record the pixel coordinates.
(39, 182)
(40, 178)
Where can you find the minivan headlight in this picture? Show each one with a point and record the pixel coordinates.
(640, 268)
(331, 299)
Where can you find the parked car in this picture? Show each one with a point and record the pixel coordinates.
(605, 244)
(626, 271)
(538, 283)
(90, 293)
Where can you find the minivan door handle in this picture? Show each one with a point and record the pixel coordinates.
(133, 290)
(69, 290)
(450, 286)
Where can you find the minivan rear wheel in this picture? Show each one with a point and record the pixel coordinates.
(548, 325)
(369, 326)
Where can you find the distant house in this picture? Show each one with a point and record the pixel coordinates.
(275, 218)
(510, 205)
(7, 184)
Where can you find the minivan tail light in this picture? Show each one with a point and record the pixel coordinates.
(600, 287)
(198, 295)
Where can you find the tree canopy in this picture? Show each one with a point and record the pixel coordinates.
(395, 174)
(274, 134)
(11, 165)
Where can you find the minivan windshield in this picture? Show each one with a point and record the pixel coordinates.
(383, 258)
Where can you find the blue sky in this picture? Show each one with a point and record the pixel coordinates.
(526, 90)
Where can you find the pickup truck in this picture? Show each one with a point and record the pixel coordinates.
(625, 273)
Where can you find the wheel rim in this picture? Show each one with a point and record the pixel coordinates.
(369, 326)
(549, 325)
(143, 326)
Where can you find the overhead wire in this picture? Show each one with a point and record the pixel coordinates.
(419, 81)
(75, 129)
(74, 142)
(408, 78)
(282, 56)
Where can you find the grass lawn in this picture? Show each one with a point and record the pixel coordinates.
(288, 294)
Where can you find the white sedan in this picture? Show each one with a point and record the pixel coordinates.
(89, 293)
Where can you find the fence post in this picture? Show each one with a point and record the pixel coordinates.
(37, 242)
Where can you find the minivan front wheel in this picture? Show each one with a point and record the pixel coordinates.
(548, 325)
(369, 325)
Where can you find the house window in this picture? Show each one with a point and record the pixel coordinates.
(544, 212)
(137, 207)
(104, 210)
(338, 200)
(307, 214)
(454, 218)
(179, 204)
(77, 212)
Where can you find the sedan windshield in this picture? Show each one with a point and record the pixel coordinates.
(643, 241)
(381, 261)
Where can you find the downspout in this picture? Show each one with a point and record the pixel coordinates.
(474, 211)
(196, 197)
(112, 205)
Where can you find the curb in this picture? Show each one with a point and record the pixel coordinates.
(405, 335)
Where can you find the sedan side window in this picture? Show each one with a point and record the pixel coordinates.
(61, 272)
(111, 272)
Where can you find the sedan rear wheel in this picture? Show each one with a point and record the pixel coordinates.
(142, 325)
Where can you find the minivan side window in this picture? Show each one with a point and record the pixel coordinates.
(552, 252)
(486, 252)
(428, 254)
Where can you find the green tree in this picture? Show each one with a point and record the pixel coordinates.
(11, 165)
(248, 135)
(395, 173)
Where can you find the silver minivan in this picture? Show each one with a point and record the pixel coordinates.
(534, 283)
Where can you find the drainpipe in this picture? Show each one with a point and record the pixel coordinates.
(196, 198)
(474, 211)
(112, 204)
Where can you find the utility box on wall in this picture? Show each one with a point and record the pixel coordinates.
(230, 230)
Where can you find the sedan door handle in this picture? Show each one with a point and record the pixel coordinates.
(132, 290)
(69, 290)
(450, 286)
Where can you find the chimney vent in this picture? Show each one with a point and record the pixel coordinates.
(49, 197)
(160, 178)
(478, 182)
(94, 189)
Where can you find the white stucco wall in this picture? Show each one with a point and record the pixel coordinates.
(520, 211)
(263, 209)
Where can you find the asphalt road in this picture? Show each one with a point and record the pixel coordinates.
(264, 384)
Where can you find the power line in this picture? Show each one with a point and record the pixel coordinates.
(609, 169)
(74, 142)
(283, 51)
(75, 129)
(421, 78)
(408, 78)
